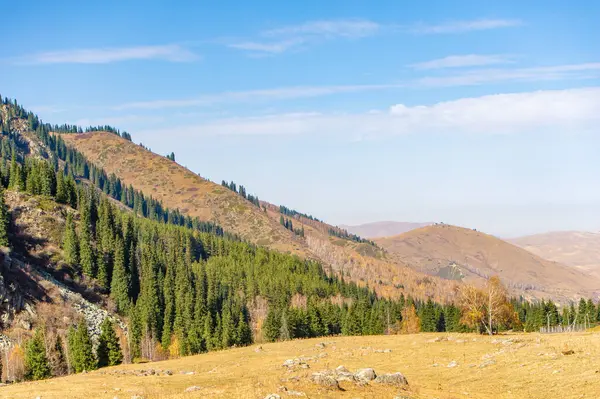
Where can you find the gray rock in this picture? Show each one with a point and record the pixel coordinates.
(341, 369)
(365, 375)
(396, 379)
(452, 364)
(193, 388)
(325, 380)
(345, 376)
(272, 396)
(486, 363)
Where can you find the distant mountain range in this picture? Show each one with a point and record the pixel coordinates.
(383, 229)
(578, 249)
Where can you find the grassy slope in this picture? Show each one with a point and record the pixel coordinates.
(573, 248)
(180, 188)
(434, 247)
(524, 366)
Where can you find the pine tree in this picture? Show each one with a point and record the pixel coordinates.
(36, 361)
(4, 220)
(70, 242)
(271, 325)
(109, 350)
(80, 349)
(86, 251)
(119, 287)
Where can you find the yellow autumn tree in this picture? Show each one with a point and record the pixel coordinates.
(488, 308)
(411, 324)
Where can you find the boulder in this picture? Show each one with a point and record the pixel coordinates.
(272, 396)
(396, 379)
(325, 380)
(365, 375)
(193, 388)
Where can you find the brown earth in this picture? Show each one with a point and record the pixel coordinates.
(579, 249)
(383, 229)
(465, 254)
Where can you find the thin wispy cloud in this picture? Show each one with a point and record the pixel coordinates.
(279, 40)
(553, 111)
(333, 28)
(465, 26)
(488, 76)
(171, 53)
(270, 48)
(460, 61)
(277, 94)
(467, 78)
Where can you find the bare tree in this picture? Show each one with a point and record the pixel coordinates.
(487, 308)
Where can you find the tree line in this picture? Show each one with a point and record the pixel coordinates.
(241, 191)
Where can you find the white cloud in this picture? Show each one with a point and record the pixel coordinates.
(458, 61)
(333, 28)
(171, 52)
(483, 76)
(466, 26)
(278, 94)
(290, 37)
(559, 111)
(270, 48)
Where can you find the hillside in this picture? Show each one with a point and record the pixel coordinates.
(578, 249)
(383, 229)
(464, 254)
(507, 367)
(179, 188)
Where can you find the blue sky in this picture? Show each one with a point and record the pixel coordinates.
(472, 113)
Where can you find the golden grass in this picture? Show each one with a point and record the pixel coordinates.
(526, 366)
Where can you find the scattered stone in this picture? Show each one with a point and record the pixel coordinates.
(137, 397)
(272, 396)
(488, 362)
(259, 349)
(168, 372)
(396, 379)
(452, 364)
(325, 380)
(297, 362)
(382, 351)
(365, 375)
(345, 376)
(187, 372)
(341, 369)
(568, 352)
(193, 388)
(435, 365)
(321, 345)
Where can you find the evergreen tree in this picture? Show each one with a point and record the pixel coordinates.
(80, 349)
(70, 242)
(272, 325)
(4, 220)
(119, 287)
(36, 361)
(109, 350)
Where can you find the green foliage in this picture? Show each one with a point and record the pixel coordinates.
(36, 361)
(109, 350)
(81, 354)
(70, 242)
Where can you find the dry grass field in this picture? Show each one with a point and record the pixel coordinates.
(514, 366)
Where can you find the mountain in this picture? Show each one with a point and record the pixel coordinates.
(179, 188)
(578, 249)
(463, 254)
(383, 229)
